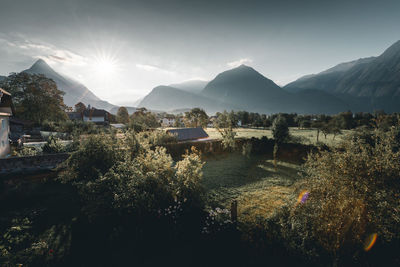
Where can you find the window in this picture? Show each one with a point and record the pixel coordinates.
(3, 124)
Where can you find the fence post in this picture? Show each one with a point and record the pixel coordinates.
(234, 211)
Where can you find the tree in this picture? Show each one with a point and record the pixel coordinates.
(280, 132)
(80, 107)
(196, 117)
(361, 176)
(35, 97)
(225, 123)
(122, 115)
(143, 120)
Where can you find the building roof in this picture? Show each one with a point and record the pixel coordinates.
(74, 115)
(93, 112)
(6, 105)
(184, 134)
(118, 125)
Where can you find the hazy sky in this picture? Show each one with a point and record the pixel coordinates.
(122, 49)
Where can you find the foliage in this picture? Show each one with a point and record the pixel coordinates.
(195, 118)
(280, 130)
(53, 146)
(80, 107)
(96, 155)
(225, 123)
(352, 192)
(246, 149)
(27, 151)
(143, 120)
(35, 97)
(157, 138)
(129, 177)
(122, 115)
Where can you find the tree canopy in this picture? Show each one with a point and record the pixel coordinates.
(196, 117)
(35, 97)
(122, 115)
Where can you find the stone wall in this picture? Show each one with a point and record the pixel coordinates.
(31, 163)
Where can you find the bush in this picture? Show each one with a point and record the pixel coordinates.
(280, 130)
(95, 157)
(53, 146)
(349, 194)
(27, 151)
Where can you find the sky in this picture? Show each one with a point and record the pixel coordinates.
(122, 49)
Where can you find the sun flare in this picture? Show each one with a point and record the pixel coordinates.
(105, 65)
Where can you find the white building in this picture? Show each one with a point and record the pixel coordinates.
(99, 116)
(167, 121)
(5, 114)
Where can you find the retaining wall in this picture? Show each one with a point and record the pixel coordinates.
(31, 163)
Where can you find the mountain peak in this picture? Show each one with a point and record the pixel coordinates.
(40, 66)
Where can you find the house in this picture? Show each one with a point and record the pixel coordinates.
(211, 121)
(18, 128)
(75, 116)
(6, 111)
(98, 116)
(167, 121)
(188, 134)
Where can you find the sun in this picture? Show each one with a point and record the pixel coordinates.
(105, 65)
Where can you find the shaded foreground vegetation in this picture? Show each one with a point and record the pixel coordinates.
(122, 201)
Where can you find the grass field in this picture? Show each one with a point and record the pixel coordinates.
(253, 181)
(308, 136)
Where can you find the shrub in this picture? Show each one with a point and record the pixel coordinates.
(27, 151)
(95, 157)
(246, 149)
(349, 193)
(53, 146)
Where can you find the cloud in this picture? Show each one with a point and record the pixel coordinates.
(21, 45)
(239, 62)
(153, 68)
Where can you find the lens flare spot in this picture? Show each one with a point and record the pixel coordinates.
(303, 196)
(370, 241)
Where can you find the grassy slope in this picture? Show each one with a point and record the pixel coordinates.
(253, 181)
(309, 135)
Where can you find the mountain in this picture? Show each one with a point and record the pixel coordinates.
(243, 88)
(131, 110)
(325, 79)
(249, 90)
(378, 78)
(365, 85)
(74, 91)
(168, 98)
(192, 86)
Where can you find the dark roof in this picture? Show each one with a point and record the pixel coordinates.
(93, 112)
(184, 134)
(74, 115)
(6, 104)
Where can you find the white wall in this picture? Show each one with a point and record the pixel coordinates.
(94, 119)
(4, 142)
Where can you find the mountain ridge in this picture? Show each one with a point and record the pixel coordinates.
(74, 91)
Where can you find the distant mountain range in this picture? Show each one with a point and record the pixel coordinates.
(193, 86)
(365, 84)
(74, 91)
(242, 88)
